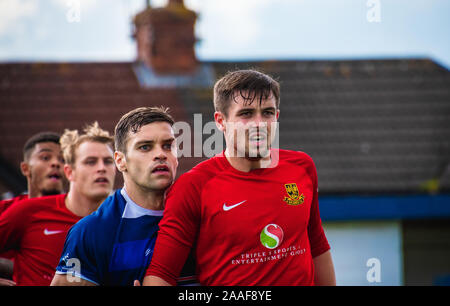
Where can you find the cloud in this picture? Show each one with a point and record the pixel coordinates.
(85, 5)
(236, 22)
(11, 11)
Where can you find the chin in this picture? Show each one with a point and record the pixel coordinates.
(99, 197)
(51, 191)
(162, 186)
(256, 155)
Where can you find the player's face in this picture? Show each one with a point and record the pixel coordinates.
(249, 128)
(44, 170)
(151, 159)
(94, 170)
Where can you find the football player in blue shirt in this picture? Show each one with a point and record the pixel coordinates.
(114, 245)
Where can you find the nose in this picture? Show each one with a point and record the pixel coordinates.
(259, 122)
(258, 119)
(160, 154)
(101, 167)
(56, 162)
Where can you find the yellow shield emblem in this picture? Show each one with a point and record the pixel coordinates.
(292, 191)
(294, 197)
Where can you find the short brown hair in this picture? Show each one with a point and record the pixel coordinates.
(249, 84)
(39, 138)
(135, 119)
(71, 140)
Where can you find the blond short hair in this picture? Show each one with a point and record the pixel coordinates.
(71, 140)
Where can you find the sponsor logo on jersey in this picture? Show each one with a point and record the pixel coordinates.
(228, 207)
(293, 195)
(47, 232)
(271, 236)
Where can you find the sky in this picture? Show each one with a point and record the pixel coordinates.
(100, 30)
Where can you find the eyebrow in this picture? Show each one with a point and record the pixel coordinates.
(45, 150)
(144, 142)
(253, 109)
(152, 141)
(246, 110)
(97, 157)
(169, 139)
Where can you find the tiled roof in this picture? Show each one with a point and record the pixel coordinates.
(371, 126)
(43, 96)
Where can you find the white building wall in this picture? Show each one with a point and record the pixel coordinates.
(366, 253)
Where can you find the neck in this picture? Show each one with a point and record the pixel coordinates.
(80, 204)
(143, 197)
(32, 192)
(246, 164)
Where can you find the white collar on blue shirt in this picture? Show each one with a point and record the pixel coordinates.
(133, 210)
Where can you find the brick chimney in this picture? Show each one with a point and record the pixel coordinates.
(165, 38)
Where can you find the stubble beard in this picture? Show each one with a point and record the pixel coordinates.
(49, 192)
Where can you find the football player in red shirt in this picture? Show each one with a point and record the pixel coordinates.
(250, 213)
(36, 228)
(42, 166)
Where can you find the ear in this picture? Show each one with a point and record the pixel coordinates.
(219, 118)
(68, 171)
(278, 113)
(25, 169)
(120, 160)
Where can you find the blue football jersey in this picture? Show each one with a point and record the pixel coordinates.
(113, 246)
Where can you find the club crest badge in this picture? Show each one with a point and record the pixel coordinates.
(293, 195)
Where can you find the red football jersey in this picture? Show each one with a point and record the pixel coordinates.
(4, 204)
(36, 229)
(248, 228)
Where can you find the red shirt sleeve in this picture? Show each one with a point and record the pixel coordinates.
(317, 239)
(5, 204)
(177, 230)
(12, 226)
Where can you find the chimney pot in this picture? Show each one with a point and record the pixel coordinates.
(166, 39)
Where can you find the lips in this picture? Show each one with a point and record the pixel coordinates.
(257, 137)
(54, 176)
(160, 169)
(102, 180)
(257, 134)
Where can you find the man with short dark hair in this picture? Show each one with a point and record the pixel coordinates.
(36, 228)
(42, 166)
(251, 213)
(114, 245)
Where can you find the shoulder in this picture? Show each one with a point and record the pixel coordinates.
(295, 157)
(4, 204)
(189, 186)
(298, 159)
(104, 218)
(207, 168)
(14, 200)
(34, 205)
(201, 173)
(87, 239)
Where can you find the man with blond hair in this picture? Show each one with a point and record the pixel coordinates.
(36, 228)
